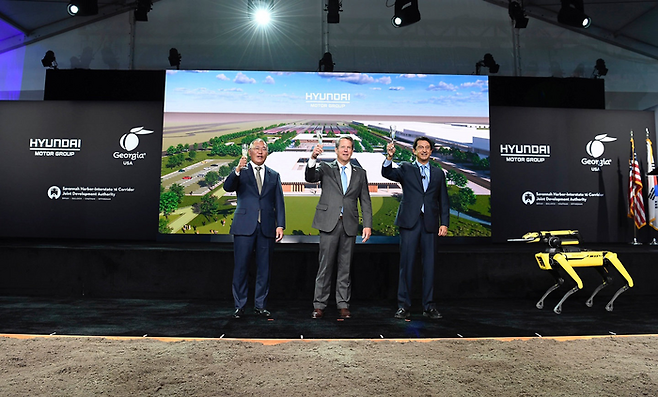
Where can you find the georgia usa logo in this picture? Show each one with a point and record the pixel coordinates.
(595, 148)
(129, 142)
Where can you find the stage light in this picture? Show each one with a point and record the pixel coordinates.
(517, 13)
(333, 7)
(72, 9)
(142, 10)
(406, 12)
(260, 11)
(174, 58)
(599, 69)
(326, 64)
(82, 8)
(488, 62)
(49, 60)
(572, 13)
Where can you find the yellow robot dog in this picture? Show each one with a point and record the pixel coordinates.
(561, 254)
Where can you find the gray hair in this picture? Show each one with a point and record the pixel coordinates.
(251, 145)
(348, 137)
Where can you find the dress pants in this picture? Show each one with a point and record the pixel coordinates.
(410, 240)
(256, 247)
(336, 248)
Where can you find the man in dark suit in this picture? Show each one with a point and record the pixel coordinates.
(337, 218)
(258, 223)
(423, 216)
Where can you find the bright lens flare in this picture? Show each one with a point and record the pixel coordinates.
(262, 17)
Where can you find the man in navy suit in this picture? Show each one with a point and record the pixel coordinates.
(423, 216)
(258, 223)
(344, 184)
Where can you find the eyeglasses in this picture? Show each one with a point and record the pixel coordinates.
(259, 148)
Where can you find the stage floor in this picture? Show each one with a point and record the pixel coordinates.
(474, 318)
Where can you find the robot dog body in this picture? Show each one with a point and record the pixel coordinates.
(562, 254)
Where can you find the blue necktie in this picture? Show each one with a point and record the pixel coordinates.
(426, 180)
(343, 178)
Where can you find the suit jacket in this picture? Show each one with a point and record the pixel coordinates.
(437, 203)
(332, 198)
(269, 202)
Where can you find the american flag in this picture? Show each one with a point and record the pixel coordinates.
(652, 204)
(635, 200)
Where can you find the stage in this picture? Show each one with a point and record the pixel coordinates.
(183, 290)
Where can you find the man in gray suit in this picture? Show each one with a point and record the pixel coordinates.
(337, 219)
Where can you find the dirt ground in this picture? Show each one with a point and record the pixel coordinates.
(72, 366)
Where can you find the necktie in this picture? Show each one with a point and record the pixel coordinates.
(426, 180)
(259, 181)
(423, 172)
(343, 178)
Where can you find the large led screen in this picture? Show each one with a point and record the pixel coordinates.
(209, 115)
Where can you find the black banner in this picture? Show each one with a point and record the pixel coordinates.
(80, 169)
(554, 169)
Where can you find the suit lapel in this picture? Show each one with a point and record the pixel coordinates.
(336, 171)
(353, 178)
(267, 180)
(252, 178)
(418, 176)
(434, 175)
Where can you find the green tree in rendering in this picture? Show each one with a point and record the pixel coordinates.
(168, 203)
(212, 177)
(461, 200)
(457, 178)
(163, 226)
(209, 206)
(179, 190)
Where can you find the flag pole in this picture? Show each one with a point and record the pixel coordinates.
(652, 182)
(633, 207)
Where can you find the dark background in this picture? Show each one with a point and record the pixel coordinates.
(568, 132)
(27, 209)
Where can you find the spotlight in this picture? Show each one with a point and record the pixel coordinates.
(599, 69)
(488, 62)
(572, 13)
(142, 10)
(326, 63)
(82, 8)
(49, 61)
(517, 13)
(174, 58)
(260, 11)
(406, 13)
(333, 7)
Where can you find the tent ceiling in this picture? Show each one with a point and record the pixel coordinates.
(629, 24)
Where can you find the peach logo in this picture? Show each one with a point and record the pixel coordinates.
(130, 140)
(595, 147)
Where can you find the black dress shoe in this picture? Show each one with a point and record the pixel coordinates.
(238, 313)
(262, 312)
(432, 313)
(402, 314)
